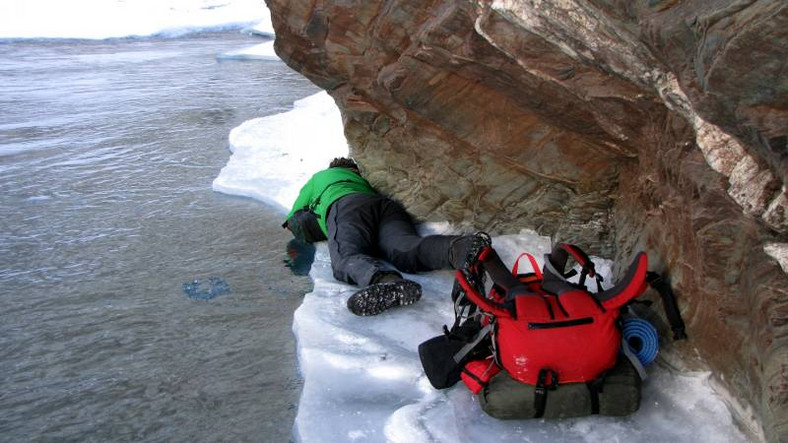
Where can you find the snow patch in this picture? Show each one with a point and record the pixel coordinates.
(274, 156)
(101, 19)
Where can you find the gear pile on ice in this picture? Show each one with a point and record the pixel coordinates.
(538, 345)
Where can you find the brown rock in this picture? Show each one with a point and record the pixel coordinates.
(658, 125)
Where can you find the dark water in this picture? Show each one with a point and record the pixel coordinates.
(107, 154)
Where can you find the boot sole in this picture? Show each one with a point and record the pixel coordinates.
(380, 297)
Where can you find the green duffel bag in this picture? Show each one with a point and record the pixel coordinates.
(616, 394)
(620, 393)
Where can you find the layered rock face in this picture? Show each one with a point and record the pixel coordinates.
(656, 125)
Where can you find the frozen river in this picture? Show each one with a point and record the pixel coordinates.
(107, 154)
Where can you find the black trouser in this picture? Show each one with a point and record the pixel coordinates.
(364, 228)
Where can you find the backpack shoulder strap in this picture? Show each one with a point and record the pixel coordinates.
(629, 287)
(498, 271)
(555, 276)
(662, 286)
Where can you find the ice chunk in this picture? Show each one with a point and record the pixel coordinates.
(262, 51)
(274, 156)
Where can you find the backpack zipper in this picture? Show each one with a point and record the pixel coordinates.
(561, 324)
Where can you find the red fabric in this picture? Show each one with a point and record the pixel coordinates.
(534, 265)
(533, 305)
(579, 304)
(579, 256)
(570, 334)
(637, 285)
(476, 374)
(577, 353)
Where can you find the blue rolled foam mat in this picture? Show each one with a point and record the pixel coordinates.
(641, 337)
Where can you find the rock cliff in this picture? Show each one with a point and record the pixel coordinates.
(619, 125)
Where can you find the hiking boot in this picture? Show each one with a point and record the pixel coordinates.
(385, 277)
(464, 250)
(379, 297)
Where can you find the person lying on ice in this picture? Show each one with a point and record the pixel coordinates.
(365, 228)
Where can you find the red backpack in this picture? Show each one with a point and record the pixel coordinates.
(541, 329)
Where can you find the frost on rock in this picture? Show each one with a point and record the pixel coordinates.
(779, 252)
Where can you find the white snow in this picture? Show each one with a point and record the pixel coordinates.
(265, 27)
(273, 156)
(363, 380)
(100, 19)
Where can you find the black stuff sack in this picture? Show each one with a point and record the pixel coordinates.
(304, 226)
(444, 356)
(437, 358)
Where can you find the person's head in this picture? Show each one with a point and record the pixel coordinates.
(342, 162)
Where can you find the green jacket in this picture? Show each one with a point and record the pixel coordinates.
(326, 187)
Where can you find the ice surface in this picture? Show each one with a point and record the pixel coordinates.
(273, 156)
(362, 377)
(262, 51)
(100, 19)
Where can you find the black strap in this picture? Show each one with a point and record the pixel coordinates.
(560, 306)
(560, 254)
(510, 284)
(499, 273)
(556, 278)
(542, 386)
(662, 286)
(594, 388)
(471, 345)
